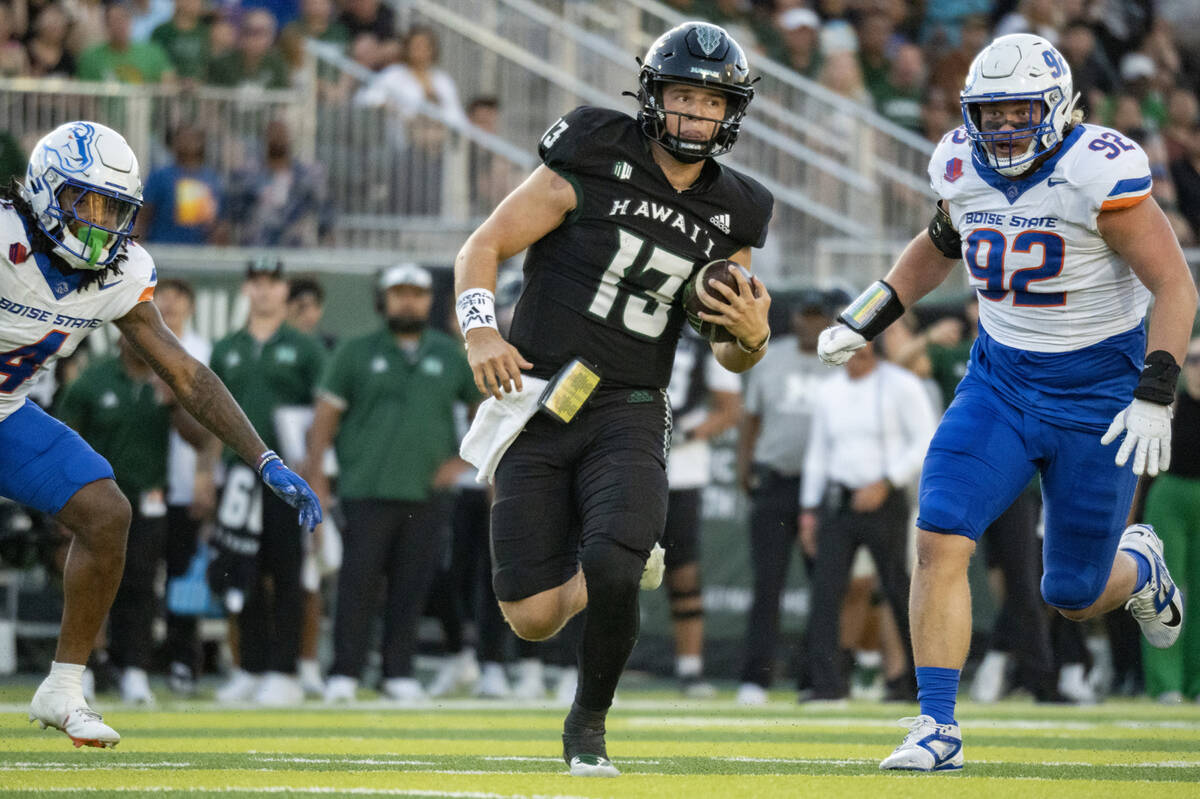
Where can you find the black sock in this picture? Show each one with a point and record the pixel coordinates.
(611, 627)
(583, 733)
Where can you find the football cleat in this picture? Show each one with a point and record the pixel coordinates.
(1158, 606)
(586, 754)
(929, 746)
(68, 712)
(135, 687)
(340, 688)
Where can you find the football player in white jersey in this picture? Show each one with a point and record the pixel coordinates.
(1064, 246)
(68, 266)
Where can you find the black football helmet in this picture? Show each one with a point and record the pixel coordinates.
(698, 54)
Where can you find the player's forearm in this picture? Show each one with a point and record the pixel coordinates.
(1172, 316)
(207, 399)
(919, 270)
(734, 358)
(476, 266)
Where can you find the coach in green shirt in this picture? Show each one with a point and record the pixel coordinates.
(388, 397)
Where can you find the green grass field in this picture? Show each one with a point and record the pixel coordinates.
(665, 746)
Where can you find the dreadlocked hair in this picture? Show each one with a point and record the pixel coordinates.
(40, 242)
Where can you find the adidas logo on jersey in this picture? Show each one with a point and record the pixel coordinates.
(721, 222)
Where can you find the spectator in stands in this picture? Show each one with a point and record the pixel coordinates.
(949, 72)
(13, 158)
(1040, 17)
(186, 39)
(87, 24)
(256, 61)
(771, 447)
(1140, 77)
(1091, 71)
(182, 201)
(871, 425)
(492, 176)
(875, 34)
(317, 22)
(147, 16)
(191, 493)
(120, 58)
(800, 30)
(374, 17)
(1127, 118)
(936, 118)
(899, 97)
(404, 378)
(1185, 172)
(49, 55)
(283, 201)
(841, 73)
(222, 37)
(1173, 507)
(424, 101)
(13, 60)
(1183, 118)
(948, 22)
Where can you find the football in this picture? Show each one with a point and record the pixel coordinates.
(716, 270)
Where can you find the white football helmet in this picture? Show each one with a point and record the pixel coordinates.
(85, 190)
(1019, 66)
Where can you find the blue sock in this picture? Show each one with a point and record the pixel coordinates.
(936, 691)
(1143, 567)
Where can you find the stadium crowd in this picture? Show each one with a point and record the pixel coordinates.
(1137, 71)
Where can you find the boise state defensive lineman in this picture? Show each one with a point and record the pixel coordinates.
(69, 268)
(1064, 246)
(619, 216)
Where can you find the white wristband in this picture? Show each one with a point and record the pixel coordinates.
(476, 308)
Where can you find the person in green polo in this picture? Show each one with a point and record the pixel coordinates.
(386, 403)
(119, 407)
(271, 369)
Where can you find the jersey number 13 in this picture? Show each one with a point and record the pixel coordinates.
(640, 284)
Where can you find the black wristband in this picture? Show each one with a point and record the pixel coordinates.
(1159, 376)
(874, 310)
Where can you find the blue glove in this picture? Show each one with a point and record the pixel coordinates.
(291, 488)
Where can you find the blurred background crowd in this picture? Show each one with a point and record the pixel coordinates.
(329, 132)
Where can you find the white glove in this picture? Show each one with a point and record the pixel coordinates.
(1147, 427)
(838, 343)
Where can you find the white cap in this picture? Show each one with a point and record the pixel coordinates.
(406, 274)
(799, 18)
(1137, 65)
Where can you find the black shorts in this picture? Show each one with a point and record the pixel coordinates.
(681, 538)
(561, 487)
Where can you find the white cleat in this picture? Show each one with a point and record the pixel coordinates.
(1158, 607)
(457, 672)
(593, 766)
(135, 687)
(531, 681)
(240, 688)
(310, 678)
(652, 572)
(751, 694)
(493, 683)
(991, 679)
(929, 746)
(405, 690)
(340, 688)
(69, 713)
(279, 690)
(568, 683)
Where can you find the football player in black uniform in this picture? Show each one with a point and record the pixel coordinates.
(618, 217)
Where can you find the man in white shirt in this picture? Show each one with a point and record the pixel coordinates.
(871, 425)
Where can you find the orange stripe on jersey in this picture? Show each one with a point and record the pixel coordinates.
(147, 294)
(1122, 202)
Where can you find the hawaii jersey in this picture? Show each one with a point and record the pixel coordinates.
(1046, 280)
(42, 315)
(604, 285)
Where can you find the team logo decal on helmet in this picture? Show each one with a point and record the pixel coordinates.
(696, 54)
(84, 188)
(1018, 67)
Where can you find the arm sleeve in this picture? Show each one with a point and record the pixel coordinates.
(914, 409)
(813, 486)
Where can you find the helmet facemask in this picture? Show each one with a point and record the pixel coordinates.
(1013, 151)
(92, 223)
(655, 115)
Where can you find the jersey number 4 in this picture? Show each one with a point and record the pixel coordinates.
(986, 249)
(18, 365)
(640, 284)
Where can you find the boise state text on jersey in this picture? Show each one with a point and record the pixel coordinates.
(604, 285)
(42, 315)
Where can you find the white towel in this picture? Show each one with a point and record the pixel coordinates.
(497, 424)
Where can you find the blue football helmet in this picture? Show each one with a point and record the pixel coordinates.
(85, 190)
